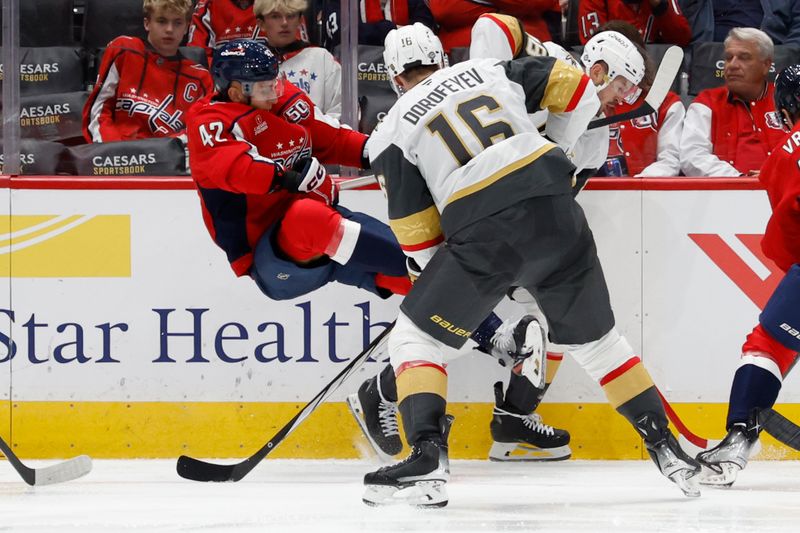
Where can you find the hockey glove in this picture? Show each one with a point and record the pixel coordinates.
(309, 176)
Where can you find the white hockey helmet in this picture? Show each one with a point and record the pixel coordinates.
(411, 46)
(619, 54)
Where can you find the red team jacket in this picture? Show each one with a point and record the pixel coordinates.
(215, 22)
(729, 117)
(456, 17)
(664, 25)
(235, 151)
(637, 139)
(781, 177)
(140, 94)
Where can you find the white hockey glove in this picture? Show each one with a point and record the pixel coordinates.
(309, 176)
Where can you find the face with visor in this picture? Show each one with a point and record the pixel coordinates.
(258, 94)
(619, 90)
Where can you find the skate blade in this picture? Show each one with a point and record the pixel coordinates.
(513, 451)
(725, 479)
(422, 494)
(687, 481)
(358, 414)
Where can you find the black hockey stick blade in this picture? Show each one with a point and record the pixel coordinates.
(57, 473)
(197, 470)
(780, 427)
(667, 70)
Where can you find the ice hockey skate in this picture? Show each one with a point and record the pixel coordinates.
(722, 463)
(418, 480)
(668, 456)
(522, 346)
(377, 418)
(524, 437)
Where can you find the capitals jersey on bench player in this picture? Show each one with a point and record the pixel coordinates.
(140, 94)
(235, 151)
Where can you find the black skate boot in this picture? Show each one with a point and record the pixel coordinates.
(722, 463)
(519, 437)
(417, 480)
(522, 346)
(377, 418)
(668, 455)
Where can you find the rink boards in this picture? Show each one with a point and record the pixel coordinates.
(124, 333)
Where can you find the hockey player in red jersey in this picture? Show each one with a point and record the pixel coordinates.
(659, 21)
(144, 89)
(456, 17)
(216, 22)
(267, 200)
(771, 349)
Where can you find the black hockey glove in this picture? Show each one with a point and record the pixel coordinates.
(307, 175)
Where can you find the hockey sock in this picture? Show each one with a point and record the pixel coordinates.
(372, 248)
(630, 390)
(485, 331)
(753, 388)
(422, 391)
(394, 284)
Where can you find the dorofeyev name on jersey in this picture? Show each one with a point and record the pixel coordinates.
(454, 84)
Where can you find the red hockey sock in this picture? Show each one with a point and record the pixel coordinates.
(760, 341)
(396, 284)
(308, 230)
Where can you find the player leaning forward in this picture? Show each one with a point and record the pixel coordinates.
(458, 157)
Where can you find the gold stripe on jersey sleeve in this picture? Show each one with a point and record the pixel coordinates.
(513, 27)
(418, 228)
(506, 170)
(561, 86)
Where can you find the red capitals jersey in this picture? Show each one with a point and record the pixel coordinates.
(215, 22)
(652, 138)
(456, 17)
(662, 24)
(140, 94)
(235, 150)
(781, 177)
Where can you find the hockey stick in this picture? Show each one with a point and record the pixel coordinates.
(57, 473)
(197, 470)
(355, 183)
(691, 437)
(667, 70)
(780, 427)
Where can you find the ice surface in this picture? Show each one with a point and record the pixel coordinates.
(322, 496)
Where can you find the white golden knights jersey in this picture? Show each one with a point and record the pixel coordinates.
(503, 37)
(459, 146)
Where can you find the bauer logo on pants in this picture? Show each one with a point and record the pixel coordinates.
(65, 246)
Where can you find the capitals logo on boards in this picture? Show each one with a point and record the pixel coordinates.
(65, 246)
(754, 286)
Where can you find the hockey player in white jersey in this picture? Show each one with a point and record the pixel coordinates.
(616, 67)
(459, 159)
(612, 61)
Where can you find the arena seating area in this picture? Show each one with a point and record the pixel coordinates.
(62, 42)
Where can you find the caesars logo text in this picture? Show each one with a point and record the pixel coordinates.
(119, 165)
(41, 115)
(33, 72)
(372, 72)
(24, 159)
